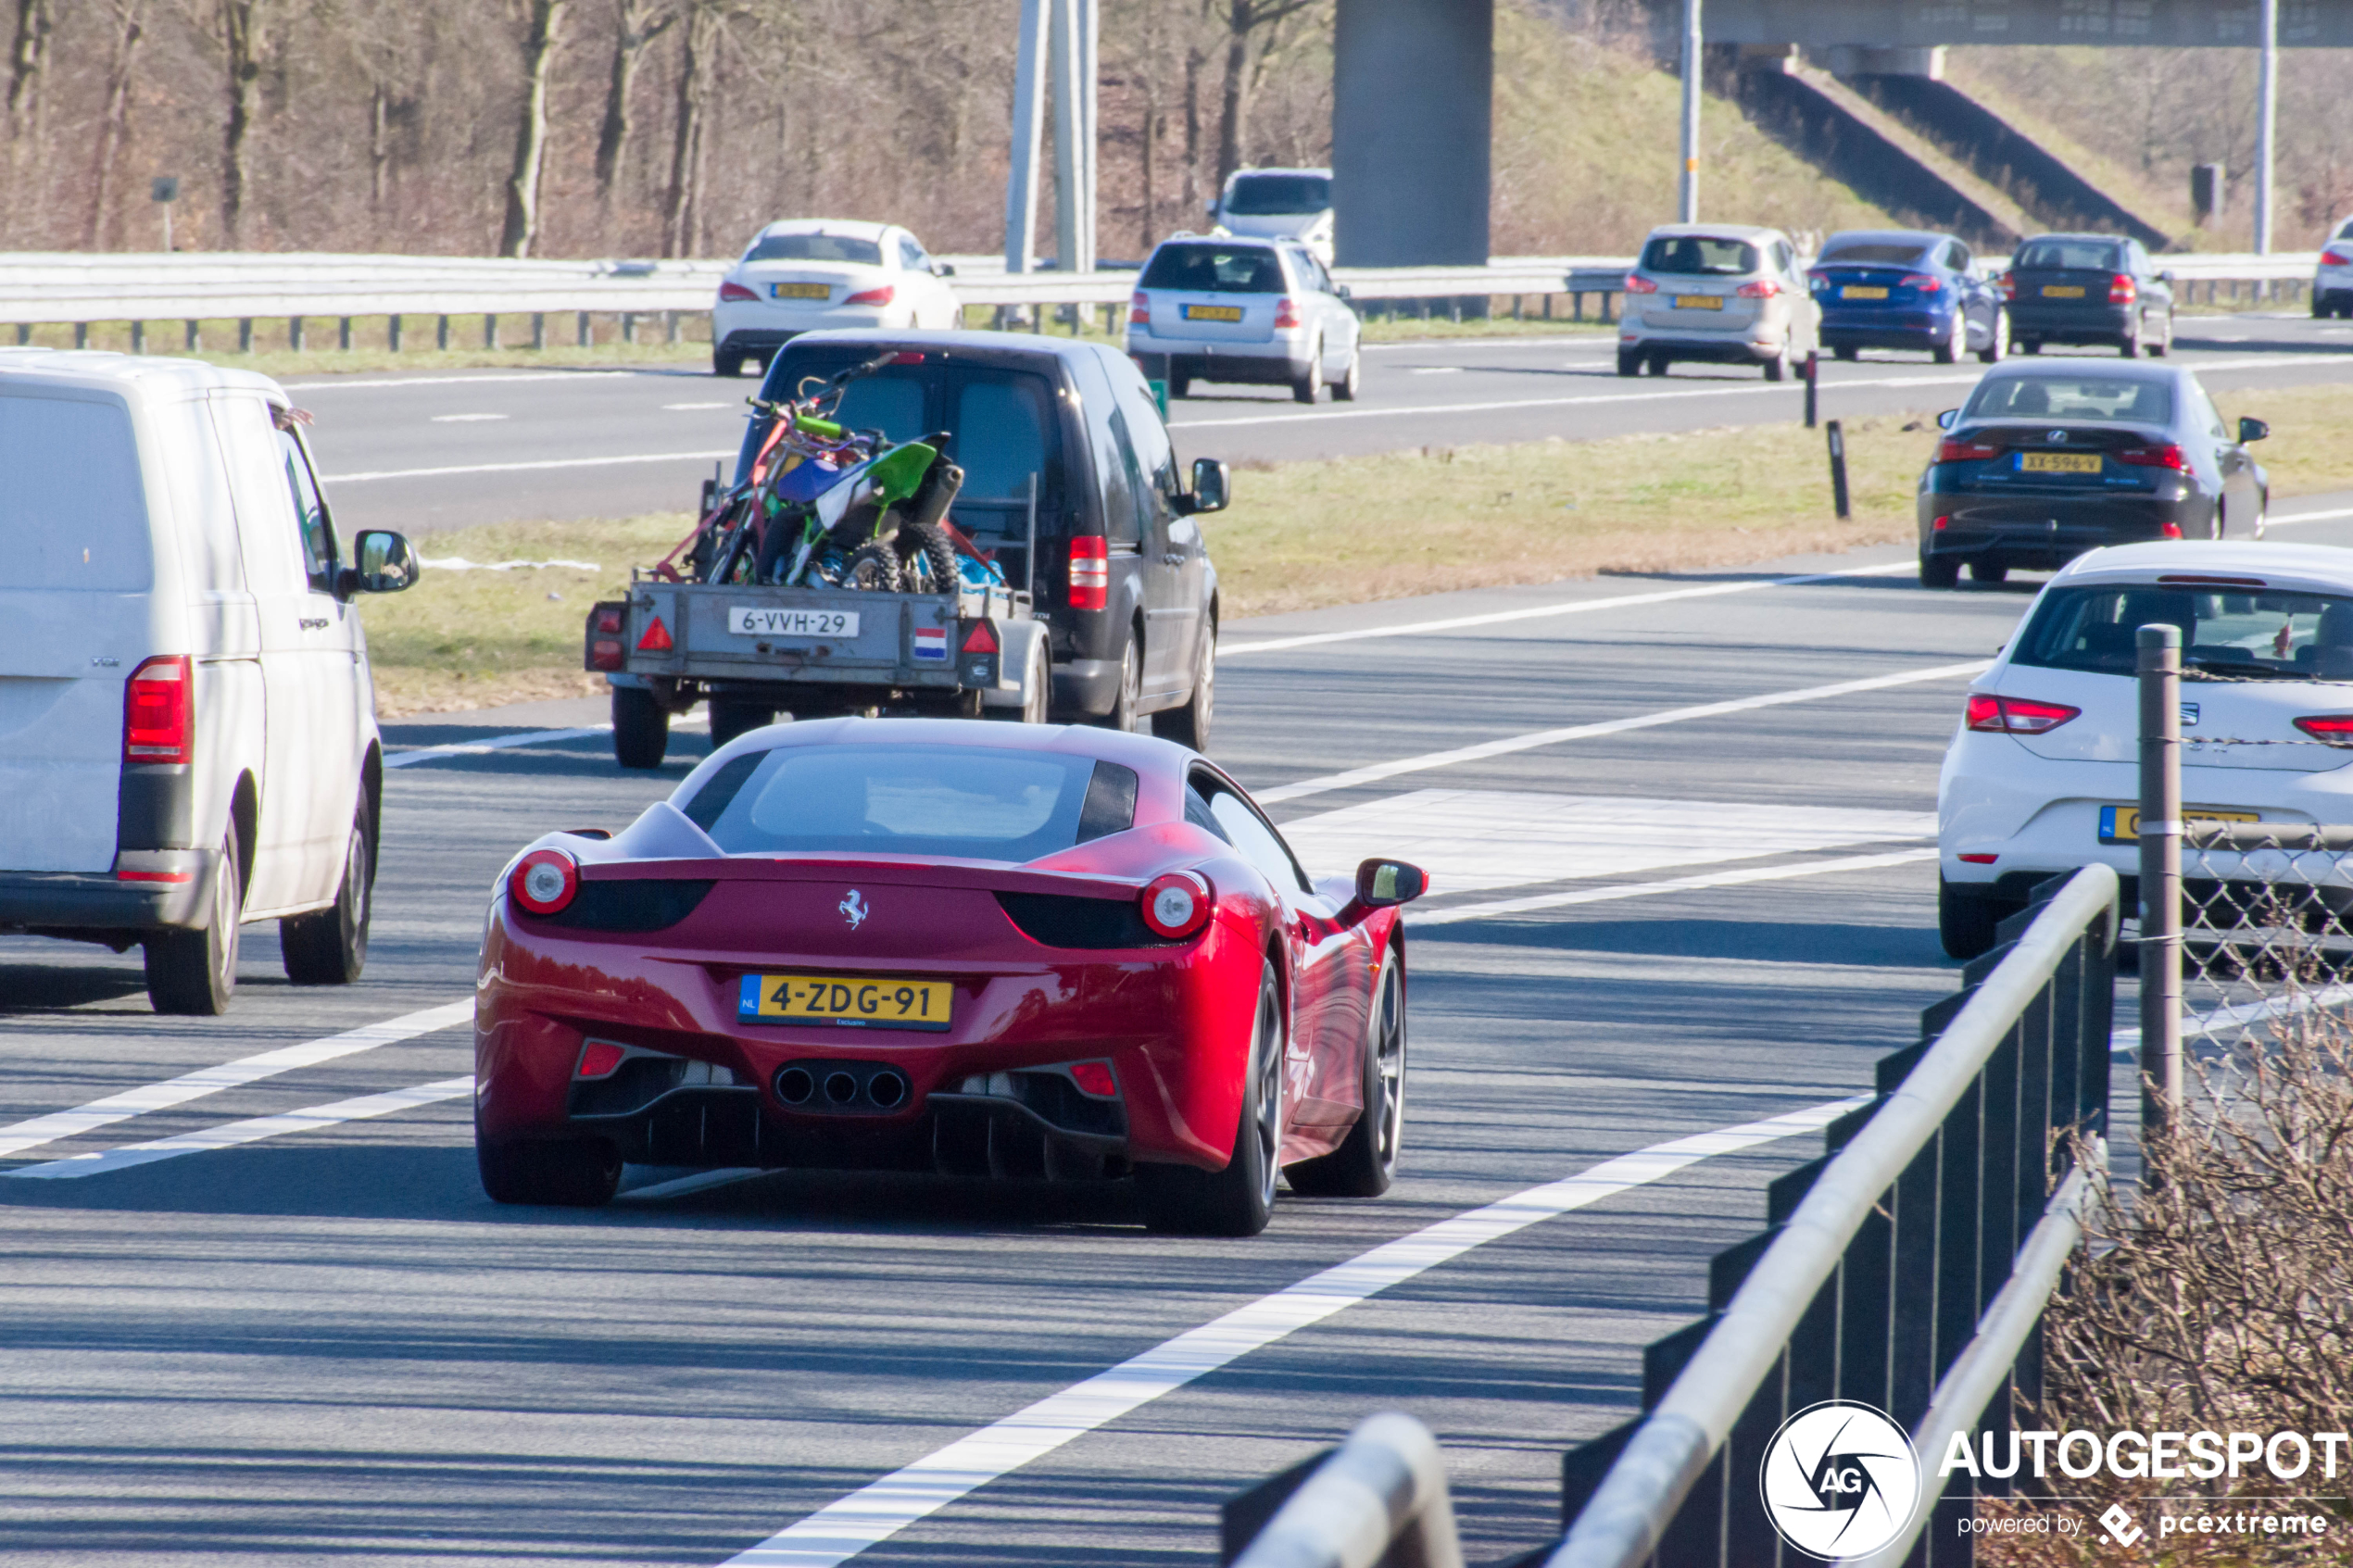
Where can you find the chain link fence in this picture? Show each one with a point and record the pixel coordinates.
(2267, 928)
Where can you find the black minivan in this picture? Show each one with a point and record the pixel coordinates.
(1060, 442)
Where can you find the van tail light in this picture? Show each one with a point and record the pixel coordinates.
(2331, 729)
(2008, 286)
(730, 293)
(1139, 310)
(1763, 288)
(2170, 530)
(1286, 312)
(1922, 283)
(159, 711)
(1089, 572)
(1175, 905)
(2121, 289)
(544, 881)
(1964, 451)
(2165, 457)
(882, 296)
(1637, 283)
(2017, 715)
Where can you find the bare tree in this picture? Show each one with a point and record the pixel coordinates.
(697, 57)
(127, 33)
(530, 128)
(28, 59)
(1245, 19)
(243, 45)
(637, 24)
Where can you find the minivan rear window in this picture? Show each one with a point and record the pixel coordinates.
(1698, 254)
(73, 514)
(2225, 634)
(2069, 256)
(1206, 269)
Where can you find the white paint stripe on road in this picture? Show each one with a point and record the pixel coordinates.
(842, 1529)
(701, 1181)
(231, 1133)
(1534, 738)
(20, 1136)
(1573, 607)
(2295, 518)
(514, 379)
(528, 468)
(1502, 907)
(496, 743)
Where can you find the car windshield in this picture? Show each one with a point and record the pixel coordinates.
(1203, 268)
(2069, 256)
(1886, 253)
(1698, 254)
(2226, 634)
(816, 247)
(1264, 196)
(2127, 399)
(961, 802)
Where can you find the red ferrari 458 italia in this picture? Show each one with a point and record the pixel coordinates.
(1009, 951)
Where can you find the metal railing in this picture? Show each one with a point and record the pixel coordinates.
(1907, 1270)
(1378, 1500)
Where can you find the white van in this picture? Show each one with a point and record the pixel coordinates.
(187, 724)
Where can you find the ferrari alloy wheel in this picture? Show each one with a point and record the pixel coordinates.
(1189, 724)
(329, 947)
(576, 1174)
(1365, 1160)
(1237, 1200)
(195, 972)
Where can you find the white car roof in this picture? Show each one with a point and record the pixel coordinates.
(851, 227)
(1278, 168)
(1715, 231)
(2318, 568)
(130, 375)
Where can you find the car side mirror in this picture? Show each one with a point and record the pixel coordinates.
(2165, 278)
(1341, 290)
(1380, 883)
(1210, 204)
(943, 269)
(388, 564)
(2252, 430)
(1948, 419)
(1211, 486)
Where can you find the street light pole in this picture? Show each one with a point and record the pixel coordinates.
(2267, 100)
(1687, 203)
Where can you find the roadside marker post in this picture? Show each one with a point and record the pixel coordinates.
(1838, 470)
(2159, 831)
(1813, 370)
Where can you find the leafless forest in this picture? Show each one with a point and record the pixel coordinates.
(673, 127)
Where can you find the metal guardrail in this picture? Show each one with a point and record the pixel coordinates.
(1378, 1500)
(1910, 1272)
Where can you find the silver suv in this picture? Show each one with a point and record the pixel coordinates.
(1719, 293)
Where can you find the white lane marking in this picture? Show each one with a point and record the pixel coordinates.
(460, 563)
(701, 1181)
(681, 408)
(1435, 370)
(515, 378)
(1498, 908)
(1479, 840)
(1407, 345)
(1701, 390)
(2292, 519)
(844, 1528)
(466, 419)
(1574, 606)
(229, 1135)
(527, 468)
(20, 1135)
(496, 743)
(1534, 738)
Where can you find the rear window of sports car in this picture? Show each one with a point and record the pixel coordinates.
(962, 802)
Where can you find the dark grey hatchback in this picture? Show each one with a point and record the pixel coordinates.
(2090, 289)
(2048, 461)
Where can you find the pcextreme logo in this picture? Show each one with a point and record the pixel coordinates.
(1840, 1480)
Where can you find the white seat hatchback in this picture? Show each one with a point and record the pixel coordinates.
(2042, 775)
(187, 726)
(806, 274)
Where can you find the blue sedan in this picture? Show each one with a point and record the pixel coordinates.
(1902, 288)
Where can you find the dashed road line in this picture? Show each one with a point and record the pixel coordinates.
(1501, 907)
(528, 467)
(230, 1135)
(842, 1529)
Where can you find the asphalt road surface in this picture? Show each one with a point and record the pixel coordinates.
(268, 1316)
(437, 451)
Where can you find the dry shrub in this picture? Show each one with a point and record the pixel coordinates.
(2218, 1297)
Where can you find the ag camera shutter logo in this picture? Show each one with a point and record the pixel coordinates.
(1840, 1480)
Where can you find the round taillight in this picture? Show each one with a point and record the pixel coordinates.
(545, 881)
(1177, 905)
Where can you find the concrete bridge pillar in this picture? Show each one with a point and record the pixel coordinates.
(1412, 92)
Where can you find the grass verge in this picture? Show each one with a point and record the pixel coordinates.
(1302, 536)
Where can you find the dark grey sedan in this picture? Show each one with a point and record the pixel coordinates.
(2049, 460)
(2088, 288)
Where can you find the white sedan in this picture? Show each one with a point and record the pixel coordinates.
(2042, 775)
(807, 273)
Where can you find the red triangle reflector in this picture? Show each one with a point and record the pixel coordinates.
(982, 638)
(657, 637)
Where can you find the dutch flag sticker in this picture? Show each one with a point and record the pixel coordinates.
(931, 644)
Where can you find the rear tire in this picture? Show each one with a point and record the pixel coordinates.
(1966, 918)
(195, 973)
(1847, 352)
(582, 1174)
(1037, 692)
(2163, 346)
(1778, 369)
(1237, 1200)
(1985, 572)
(1124, 707)
(1304, 386)
(1656, 364)
(1365, 1160)
(872, 568)
(1628, 364)
(1991, 353)
(1345, 389)
(726, 362)
(1939, 572)
(1179, 386)
(2028, 346)
(1189, 725)
(2129, 345)
(731, 717)
(926, 560)
(1950, 351)
(329, 947)
(640, 728)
